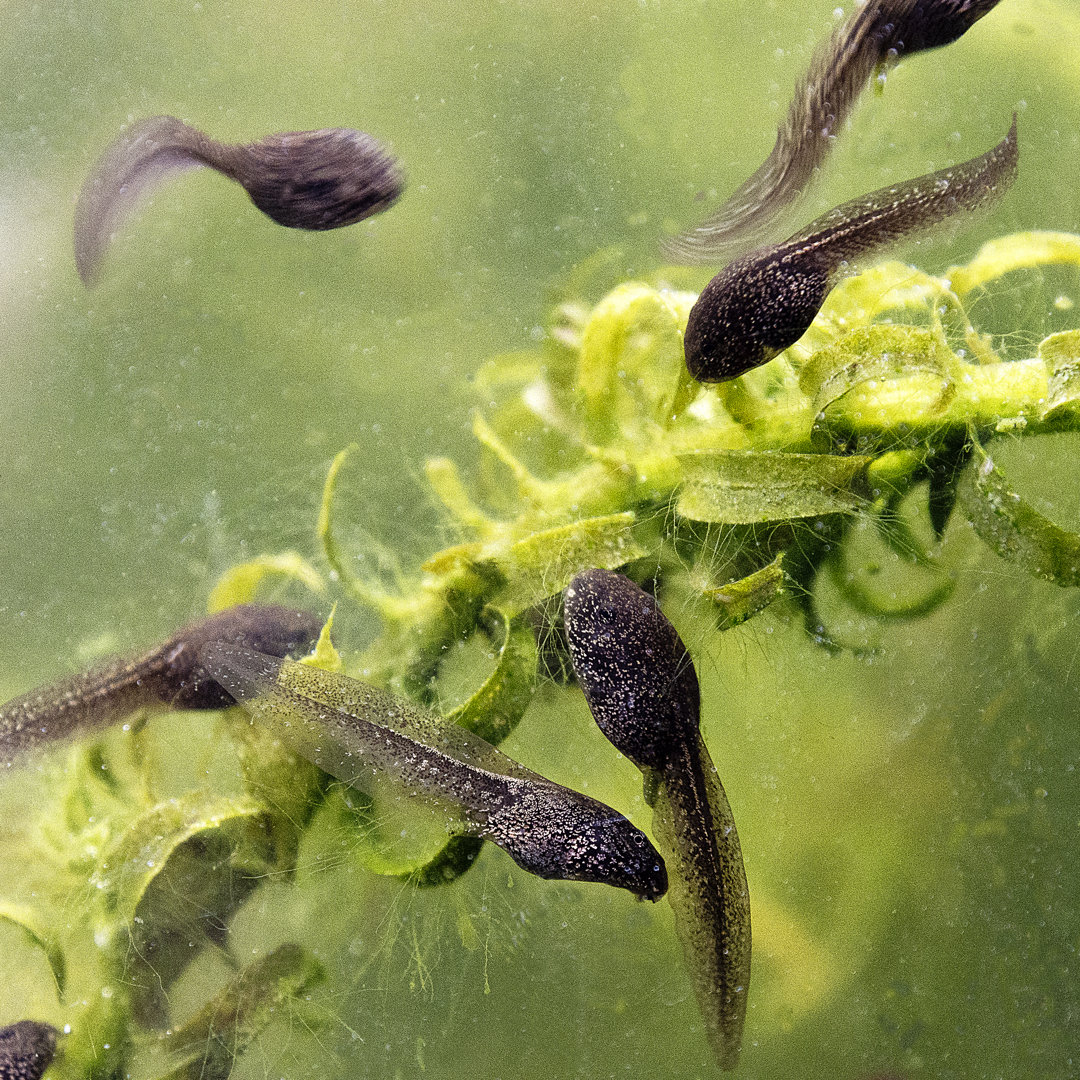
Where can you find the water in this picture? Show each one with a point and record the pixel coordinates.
(909, 821)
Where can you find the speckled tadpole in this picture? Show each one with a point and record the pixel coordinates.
(301, 179)
(168, 676)
(384, 744)
(763, 302)
(26, 1049)
(874, 35)
(643, 691)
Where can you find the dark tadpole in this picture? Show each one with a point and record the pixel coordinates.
(643, 692)
(763, 302)
(26, 1049)
(301, 179)
(389, 747)
(168, 676)
(874, 35)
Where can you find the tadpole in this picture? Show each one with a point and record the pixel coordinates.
(380, 743)
(765, 301)
(301, 179)
(875, 35)
(26, 1049)
(641, 687)
(168, 676)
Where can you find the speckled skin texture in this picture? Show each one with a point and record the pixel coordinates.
(301, 179)
(167, 676)
(388, 746)
(765, 301)
(26, 1049)
(876, 34)
(643, 691)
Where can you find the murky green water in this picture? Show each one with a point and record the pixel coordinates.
(909, 821)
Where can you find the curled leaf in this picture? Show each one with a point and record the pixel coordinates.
(745, 487)
(172, 878)
(239, 583)
(1014, 528)
(494, 710)
(141, 852)
(1014, 252)
(740, 600)
(22, 917)
(889, 286)
(543, 564)
(631, 359)
(1061, 354)
(873, 353)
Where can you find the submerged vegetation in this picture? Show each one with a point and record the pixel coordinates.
(598, 451)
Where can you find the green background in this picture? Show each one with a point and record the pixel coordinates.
(910, 823)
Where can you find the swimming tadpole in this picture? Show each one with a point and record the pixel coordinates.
(169, 676)
(26, 1049)
(391, 748)
(314, 180)
(765, 301)
(641, 687)
(874, 36)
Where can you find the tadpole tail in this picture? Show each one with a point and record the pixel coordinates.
(906, 210)
(169, 676)
(875, 35)
(822, 101)
(149, 152)
(709, 897)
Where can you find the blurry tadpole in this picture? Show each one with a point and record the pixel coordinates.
(26, 1049)
(301, 179)
(873, 37)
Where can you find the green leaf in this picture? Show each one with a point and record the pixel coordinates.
(239, 583)
(324, 655)
(1015, 529)
(141, 852)
(631, 359)
(740, 600)
(543, 564)
(1014, 252)
(494, 710)
(22, 917)
(1061, 354)
(873, 353)
(207, 1046)
(745, 487)
(172, 878)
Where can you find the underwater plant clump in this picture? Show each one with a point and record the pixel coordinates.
(598, 452)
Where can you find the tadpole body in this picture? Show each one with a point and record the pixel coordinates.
(641, 687)
(765, 301)
(374, 740)
(876, 34)
(168, 676)
(26, 1049)
(301, 179)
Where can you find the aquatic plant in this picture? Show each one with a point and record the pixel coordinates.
(597, 451)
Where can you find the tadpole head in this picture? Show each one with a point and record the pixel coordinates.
(632, 666)
(319, 179)
(574, 838)
(752, 310)
(265, 628)
(26, 1049)
(929, 24)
